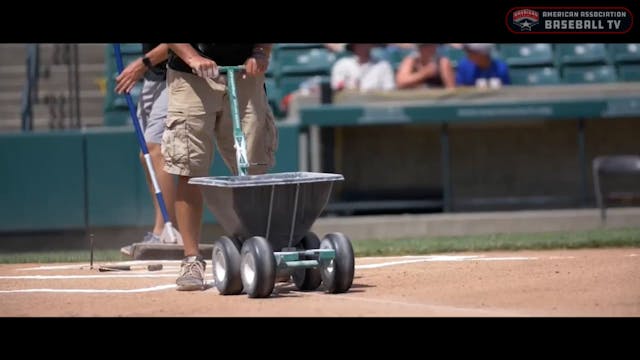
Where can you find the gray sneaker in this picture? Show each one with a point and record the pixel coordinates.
(191, 274)
(149, 238)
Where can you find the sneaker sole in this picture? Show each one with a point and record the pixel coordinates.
(190, 287)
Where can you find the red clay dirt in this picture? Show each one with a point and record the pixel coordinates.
(574, 283)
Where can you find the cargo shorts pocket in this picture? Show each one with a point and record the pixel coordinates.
(175, 149)
(272, 134)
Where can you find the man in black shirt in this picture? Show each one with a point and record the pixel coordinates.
(198, 116)
(152, 114)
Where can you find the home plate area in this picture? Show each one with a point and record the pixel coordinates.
(600, 282)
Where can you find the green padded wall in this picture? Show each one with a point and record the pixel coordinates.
(41, 181)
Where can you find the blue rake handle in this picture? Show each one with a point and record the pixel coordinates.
(141, 141)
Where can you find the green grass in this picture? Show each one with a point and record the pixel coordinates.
(60, 256)
(559, 240)
(413, 246)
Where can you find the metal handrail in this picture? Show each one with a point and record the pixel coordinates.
(30, 91)
(69, 103)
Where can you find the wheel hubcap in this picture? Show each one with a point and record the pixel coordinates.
(248, 269)
(220, 266)
(327, 265)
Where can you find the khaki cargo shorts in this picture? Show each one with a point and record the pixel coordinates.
(199, 116)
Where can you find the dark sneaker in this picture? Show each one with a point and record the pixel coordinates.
(191, 274)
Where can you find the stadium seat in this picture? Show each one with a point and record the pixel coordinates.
(625, 53)
(272, 71)
(581, 54)
(625, 165)
(307, 62)
(289, 84)
(534, 76)
(629, 72)
(527, 54)
(396, 55)
(274, 95)
(589, 74)
(454, 54)
(378, 53)
(344, 53)
(283, 46)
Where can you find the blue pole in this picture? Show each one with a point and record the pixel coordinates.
(140, 136)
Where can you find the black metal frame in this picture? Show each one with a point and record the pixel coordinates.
(609, 165)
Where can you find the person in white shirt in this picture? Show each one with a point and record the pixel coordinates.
(361, 72)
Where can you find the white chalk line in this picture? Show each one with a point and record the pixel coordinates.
(410, 259)
(209, 264)
(442, 258)
(414, 259)
(85, 266)
(143, 275)
(83, 277)
(507, 258)
(163, 273)
(92, 291)
(99, 291)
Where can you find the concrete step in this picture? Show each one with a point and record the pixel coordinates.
(45, 123)
(86, 121)
(91, 106)
(9, 98)
(9, 71)
(90, 76)
(13, 125)
(16, 54)
(52, 85)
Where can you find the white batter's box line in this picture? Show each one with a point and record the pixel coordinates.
(75, 277)
(438, 258)
(92, 291)
(85, 266)
(100, 291)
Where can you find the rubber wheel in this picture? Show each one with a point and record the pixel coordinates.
(257, 267)
(226, 266)
(337, 274)
(308, 279)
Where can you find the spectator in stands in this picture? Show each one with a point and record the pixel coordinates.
(152, 113)
(361, 72)
(425, 68)
(199, 116)
(480, 69)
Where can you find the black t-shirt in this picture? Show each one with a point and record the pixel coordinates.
(222, 54)
(157, 72)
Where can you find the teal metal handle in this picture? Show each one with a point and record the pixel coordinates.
(239, 141)
(232, 68)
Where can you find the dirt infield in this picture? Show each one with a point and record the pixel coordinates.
(602, 282)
